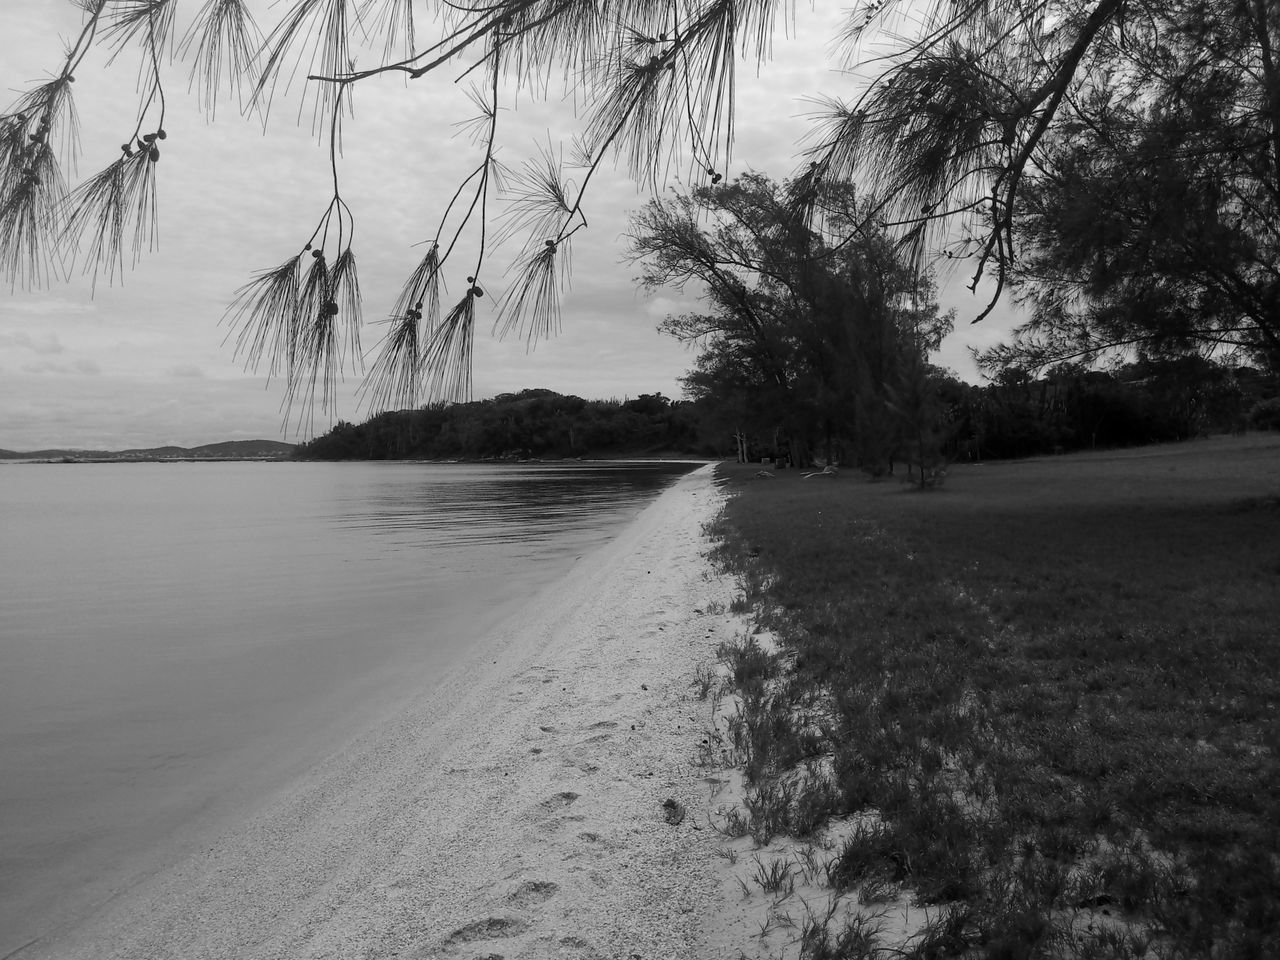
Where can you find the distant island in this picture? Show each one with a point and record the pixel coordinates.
(225, 450)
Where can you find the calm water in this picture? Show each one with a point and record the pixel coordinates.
(179, 640)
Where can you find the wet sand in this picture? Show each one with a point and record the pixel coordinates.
(517, 811)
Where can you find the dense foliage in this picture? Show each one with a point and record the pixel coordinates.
(1074, 408)
(1015, 416)
(531, 423)
(797, 336)
(1153, 223)
(1118, 159)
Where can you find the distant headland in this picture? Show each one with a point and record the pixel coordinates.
(224, 450)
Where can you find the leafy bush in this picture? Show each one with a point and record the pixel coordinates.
(1265, 414)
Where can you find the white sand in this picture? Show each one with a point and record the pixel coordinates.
(517, 811)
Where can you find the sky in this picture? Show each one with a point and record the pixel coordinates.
(145, 361)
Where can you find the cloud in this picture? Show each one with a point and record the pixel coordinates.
(41, 305)
(44, 345)
(82, 366)
(660, 307)
(186, 370)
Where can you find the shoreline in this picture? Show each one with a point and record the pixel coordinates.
(517, 812)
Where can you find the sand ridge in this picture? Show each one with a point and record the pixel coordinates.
(530, 807)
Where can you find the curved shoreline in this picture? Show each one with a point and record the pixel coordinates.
(518, 812)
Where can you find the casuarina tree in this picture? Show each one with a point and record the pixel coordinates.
(959, 127)
(799, 339)
(1118, 159)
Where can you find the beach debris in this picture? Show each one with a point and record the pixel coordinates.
(830, 470)
(673, 811)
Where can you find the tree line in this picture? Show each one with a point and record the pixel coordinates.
(528, 424)
(1020, 415)
(815, 326)
(1015, 415)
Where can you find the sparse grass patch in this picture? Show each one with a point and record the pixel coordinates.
(775, 877)
(1054, 683)
(704, 681)
(827, 937)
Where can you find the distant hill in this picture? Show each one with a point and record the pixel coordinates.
(530, 424)
(224, 450)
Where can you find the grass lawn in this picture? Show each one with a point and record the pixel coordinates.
(1052, 687)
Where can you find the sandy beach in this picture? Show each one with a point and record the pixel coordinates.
(517, 811)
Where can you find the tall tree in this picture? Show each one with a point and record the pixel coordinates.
(799, 337)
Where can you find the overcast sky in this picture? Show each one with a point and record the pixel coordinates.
(143, 362)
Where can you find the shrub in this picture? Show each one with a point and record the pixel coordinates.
(1265, 414)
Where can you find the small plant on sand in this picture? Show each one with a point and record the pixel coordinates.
(949, 932)
(732, 822)
(768, 806)
(704, 681)
(858, 937)
(877, 889)
(710, 751)
(751, 667)
(1111, 942)
(775, 878)
(808, 862)
(866, 856)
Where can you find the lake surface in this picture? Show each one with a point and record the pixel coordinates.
(179, 640)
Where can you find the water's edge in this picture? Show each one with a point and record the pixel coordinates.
(490, 568)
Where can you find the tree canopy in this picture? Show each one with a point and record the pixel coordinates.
(1119, 160)
(798, 335)
(992, 133)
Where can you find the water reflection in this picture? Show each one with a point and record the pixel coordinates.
(465, 505)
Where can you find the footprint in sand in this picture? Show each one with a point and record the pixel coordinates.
(490, 928)
(556, 806)
(561, 801)
(539, 675)
(533, 892)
